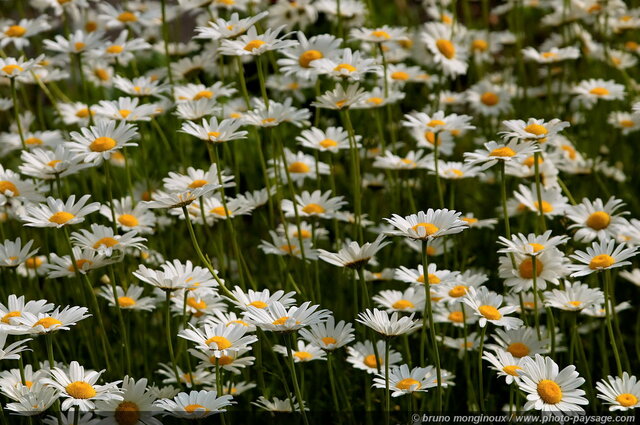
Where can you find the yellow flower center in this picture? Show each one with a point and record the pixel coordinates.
(328, 143)
(80, 390)
(381, 34)
(221, 342)
(127, 413)
(193, 407)
(299, 167)
(33, 141)
(458, 291)
(536, 129)
(61, 217)
(470, 220)
(83, 113)
(402, 304)
(456, 317)
(489, 98)
(346, 67)
(627, 123)
(79, 45)
(599, 220)
(433, 279)
(599, 91)
(127, 17)
(125, 302)
(220, 211)
(33, 263)
(280, 321)
(313, 209)
(446, 48)
(546, 207)
(203, 94)
(128, 220)
(213, 134)
(6, 185)
(90, 26)
(289, 249)
(102, 144)
(518, 349)
(115, 49)
(575, 303)
(80, 264)
(254, 44)
(370, 361)
(222, 360)
(327, 340)
(511, 370)
(400, 75)
(526, 268)
(548, 55)
(194, 303)
(15, 31)
(429, 229)
(375, 100)
(601, 261)
(489, 312)
(106, 241)
(258, 304)
(549, 391)
(9, 69)
(7, 317)
(503, 152)
(197, 183)
(479, 45)
(268, 120)
(303, 355)
(435, 123)
(407, 383)
(536, 248)
(124, 113)
(48, 322)
(309, 56)
(627, 400)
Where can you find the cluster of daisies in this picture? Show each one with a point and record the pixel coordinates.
(293, 206)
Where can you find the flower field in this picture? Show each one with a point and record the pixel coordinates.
(319, 211)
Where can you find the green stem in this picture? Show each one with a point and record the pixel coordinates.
(288, 340)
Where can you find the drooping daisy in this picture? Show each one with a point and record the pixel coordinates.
(56, 213)
(550, 390)
(596, 219)
(362, 356)
(426, 226)
(600, 256)
(620, 393)
(354, 255)
(13, 350)
(196, 404)
(486, 305)
(386, 325)
(412, 160)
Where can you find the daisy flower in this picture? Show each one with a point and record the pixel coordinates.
(13, 350)
(553, 202)
(196, 404)
(195, 92)
(550, 390)
(494, 152)
(600, 256)
(125, 109)
(549, 265)
(316, 204)
(137, 403)
(260, 299)
(533, 129)
(404, 381)
(574, 297)
(12, 67)
(78, 387)
(99, 142)
(298, 59)
(139, 86)
(131, 299)
(339, 98)
(348, 65)
(446, 48)
(416, 276)
(333, 139)
(77, 42)
(620, 393)
(457, 314)
(299, 167)
(128, 217)
(170, 200)
(219, 339)
(195, 179)
(56, 213)
(285, 405)
(76, 113)
(626, 122)
(329, 335)
(284, 246)
(122, 48)
(34, 400)
(596, 219)
(412, 160)
(12, 253)
(409, 301)
(553, 55)
(386, 325)
(275, 114)
(16, 306)
(427, 226)
(302, 352)
(521, 342)
(46, 164)
(102, 239)
(589, 92)
(354, 255)
(278, 318)
(221, 28)
(86, 260)
(531, 244)
(486, 305)
(505, 364)
(489, 99)
(252, 44)
(18, 33)
(233, 361)
(45, 322)
(176, 275)
(12, 186)
(362, 356)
